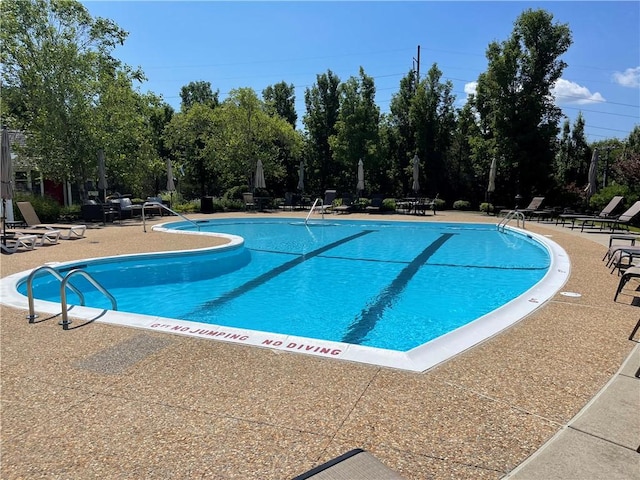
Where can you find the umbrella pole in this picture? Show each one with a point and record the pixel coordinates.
(4, 222)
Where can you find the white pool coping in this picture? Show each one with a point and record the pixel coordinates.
(417, 359)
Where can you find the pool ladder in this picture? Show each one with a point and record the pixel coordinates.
(510, 216)
(64, 284)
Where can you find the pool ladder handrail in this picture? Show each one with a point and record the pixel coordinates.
(161, 205)
(64, 283)
(510, 216)
(313, 207)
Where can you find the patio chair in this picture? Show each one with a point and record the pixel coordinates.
(607, 213)
(631, 272)
(355, 464)
(12, 244)
(621, 222)
(249, 202)
(43, 236)
(376, 204)
(67, 232)
(327, 202)
(534, 205)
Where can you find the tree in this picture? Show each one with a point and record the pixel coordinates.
(67, 91)
(432, 115)
(198, 92)
(322, 102)
(356, 134)
(280, 99)
(515, 103)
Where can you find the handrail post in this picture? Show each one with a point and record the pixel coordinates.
(65, 322)
(45, 268)
(157, 204)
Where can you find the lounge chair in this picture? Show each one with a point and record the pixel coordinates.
(12, 244)
(606, 213)
(346, 205)
(620, 222)
(43, 236)
(376, 204)
(353, 465)
(631, 272)
(67, 232)
(327, 202)
(536, 203)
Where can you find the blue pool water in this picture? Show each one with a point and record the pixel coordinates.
(391, 285)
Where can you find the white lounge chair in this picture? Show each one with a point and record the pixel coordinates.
(67, 232)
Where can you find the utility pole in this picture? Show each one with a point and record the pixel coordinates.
(416, 66)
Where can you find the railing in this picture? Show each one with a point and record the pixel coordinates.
(65, 322)
(32, 315)
(64, 284)
(313, 208)
(510, 216)
(160, 205)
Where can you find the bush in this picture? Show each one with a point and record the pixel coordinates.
(388, 205)
(461, 205)
(439, 203)
(600, 200)
(486, 207)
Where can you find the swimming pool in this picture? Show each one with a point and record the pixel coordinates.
(345, 289)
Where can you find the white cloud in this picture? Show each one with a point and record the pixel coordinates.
(470, 88)
(568, 92)
(629, 78)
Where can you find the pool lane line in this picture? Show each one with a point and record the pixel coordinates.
(265, 277)
(367, 319)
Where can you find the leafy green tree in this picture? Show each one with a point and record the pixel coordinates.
(69, 92)
(514, 99)
(186, 135)
(432, 115)
(401, 134)
(280, 99)
(322, 102)
(356, 134)
(199, 92)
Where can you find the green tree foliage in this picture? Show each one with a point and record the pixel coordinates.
(432, 115)
(356, 135)
(69, 93)
(199, 92)
(322, 102)
(280, 99)
(515, 103)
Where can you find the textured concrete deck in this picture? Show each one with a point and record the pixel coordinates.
(113, 402)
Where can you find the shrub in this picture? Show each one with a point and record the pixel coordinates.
(439, 203)
(461, 205)
(388, 205)
(486, 207)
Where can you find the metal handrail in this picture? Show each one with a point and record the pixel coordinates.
(313, 208)
(65, 322)
(32, 315)
(510, 216)
(158, 204)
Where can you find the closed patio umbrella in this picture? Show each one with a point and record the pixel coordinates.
(592, 187)
(6, 188)
(360, 185)
(415, 186)
(301, 177)
(102, 175)
(492, 176)
(259, 181)
(171, 186)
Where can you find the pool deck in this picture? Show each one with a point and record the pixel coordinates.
(552, 397)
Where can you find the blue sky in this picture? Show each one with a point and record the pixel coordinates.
(257, 44)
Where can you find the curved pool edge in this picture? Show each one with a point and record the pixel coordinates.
(418, 359)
